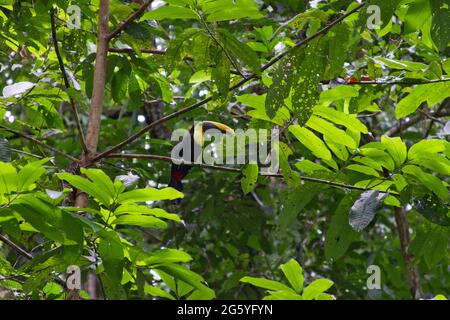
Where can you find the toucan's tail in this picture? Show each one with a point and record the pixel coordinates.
(176, 184)
(177, 174)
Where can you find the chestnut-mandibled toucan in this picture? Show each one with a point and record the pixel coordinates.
(196, 140)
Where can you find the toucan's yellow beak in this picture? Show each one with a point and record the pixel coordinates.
(203, 126)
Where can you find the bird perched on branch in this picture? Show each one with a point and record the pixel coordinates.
(192, 142)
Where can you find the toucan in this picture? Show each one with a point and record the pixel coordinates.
(195, 140)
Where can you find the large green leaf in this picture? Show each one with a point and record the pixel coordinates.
(294, 273)
(249, 177)
(315, 288)
(432, 93)
(222, 10)
(87, 186)
(170, 12)
(111, 251)
(240, 52)
(141, 221)
(149, 194)
(267, 284)
(440, 30)
(340, 235)
(328, 129)
(311, 141)
(428, 180)
(396, 148)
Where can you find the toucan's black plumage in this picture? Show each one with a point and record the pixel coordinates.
(196, 141)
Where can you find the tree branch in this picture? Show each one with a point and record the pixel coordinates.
(98, 92)
(40, 143)
(444, 112)
(230, 169)
(232, 88)
(16, 247)
(390, 82)
(411, 270)
(135, 15)
(66, 80)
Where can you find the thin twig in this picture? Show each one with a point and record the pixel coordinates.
(225, 51)
(130, 50)
(230, 169)
(403, 82)
(135, 15)
(232, 88)
(16, 247)
(66, 80)
(444, 112)
(40, 143)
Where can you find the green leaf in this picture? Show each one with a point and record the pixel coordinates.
(141, 221)
(221, 75)
(143, 210)
(291, 177)
(267, 284)
(428, 180)
(249, 177)
(111, 251)
(282, 295)
(326, 128)
(295, 202)
(149, 194)
(187, 276)
(311, 141)
(101, 180)
(8, 178)
(313, 290)
(426, 146)
(440, 23)
(170, 12)
(340, 235)
(436, 247)
(379, 156)
(387, 9)
(434, 162)
(222, 10)
(294, 273)
(433, 93)
(119, 84)
(338, 149)
(157, 292)
(396, 148)
(305, 94)
(258, 104)
(282, 81)
(168, 256)
(240, 51)
(363, 169)
(338, 117)
(54, 223)
(337, 93)
(402, 65)
(87, 186)
(310, 167)
(433, 209)
(338, 46)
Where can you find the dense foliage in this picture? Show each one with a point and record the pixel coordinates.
(361, 102)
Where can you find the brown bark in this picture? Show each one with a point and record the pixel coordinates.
(411, 269)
